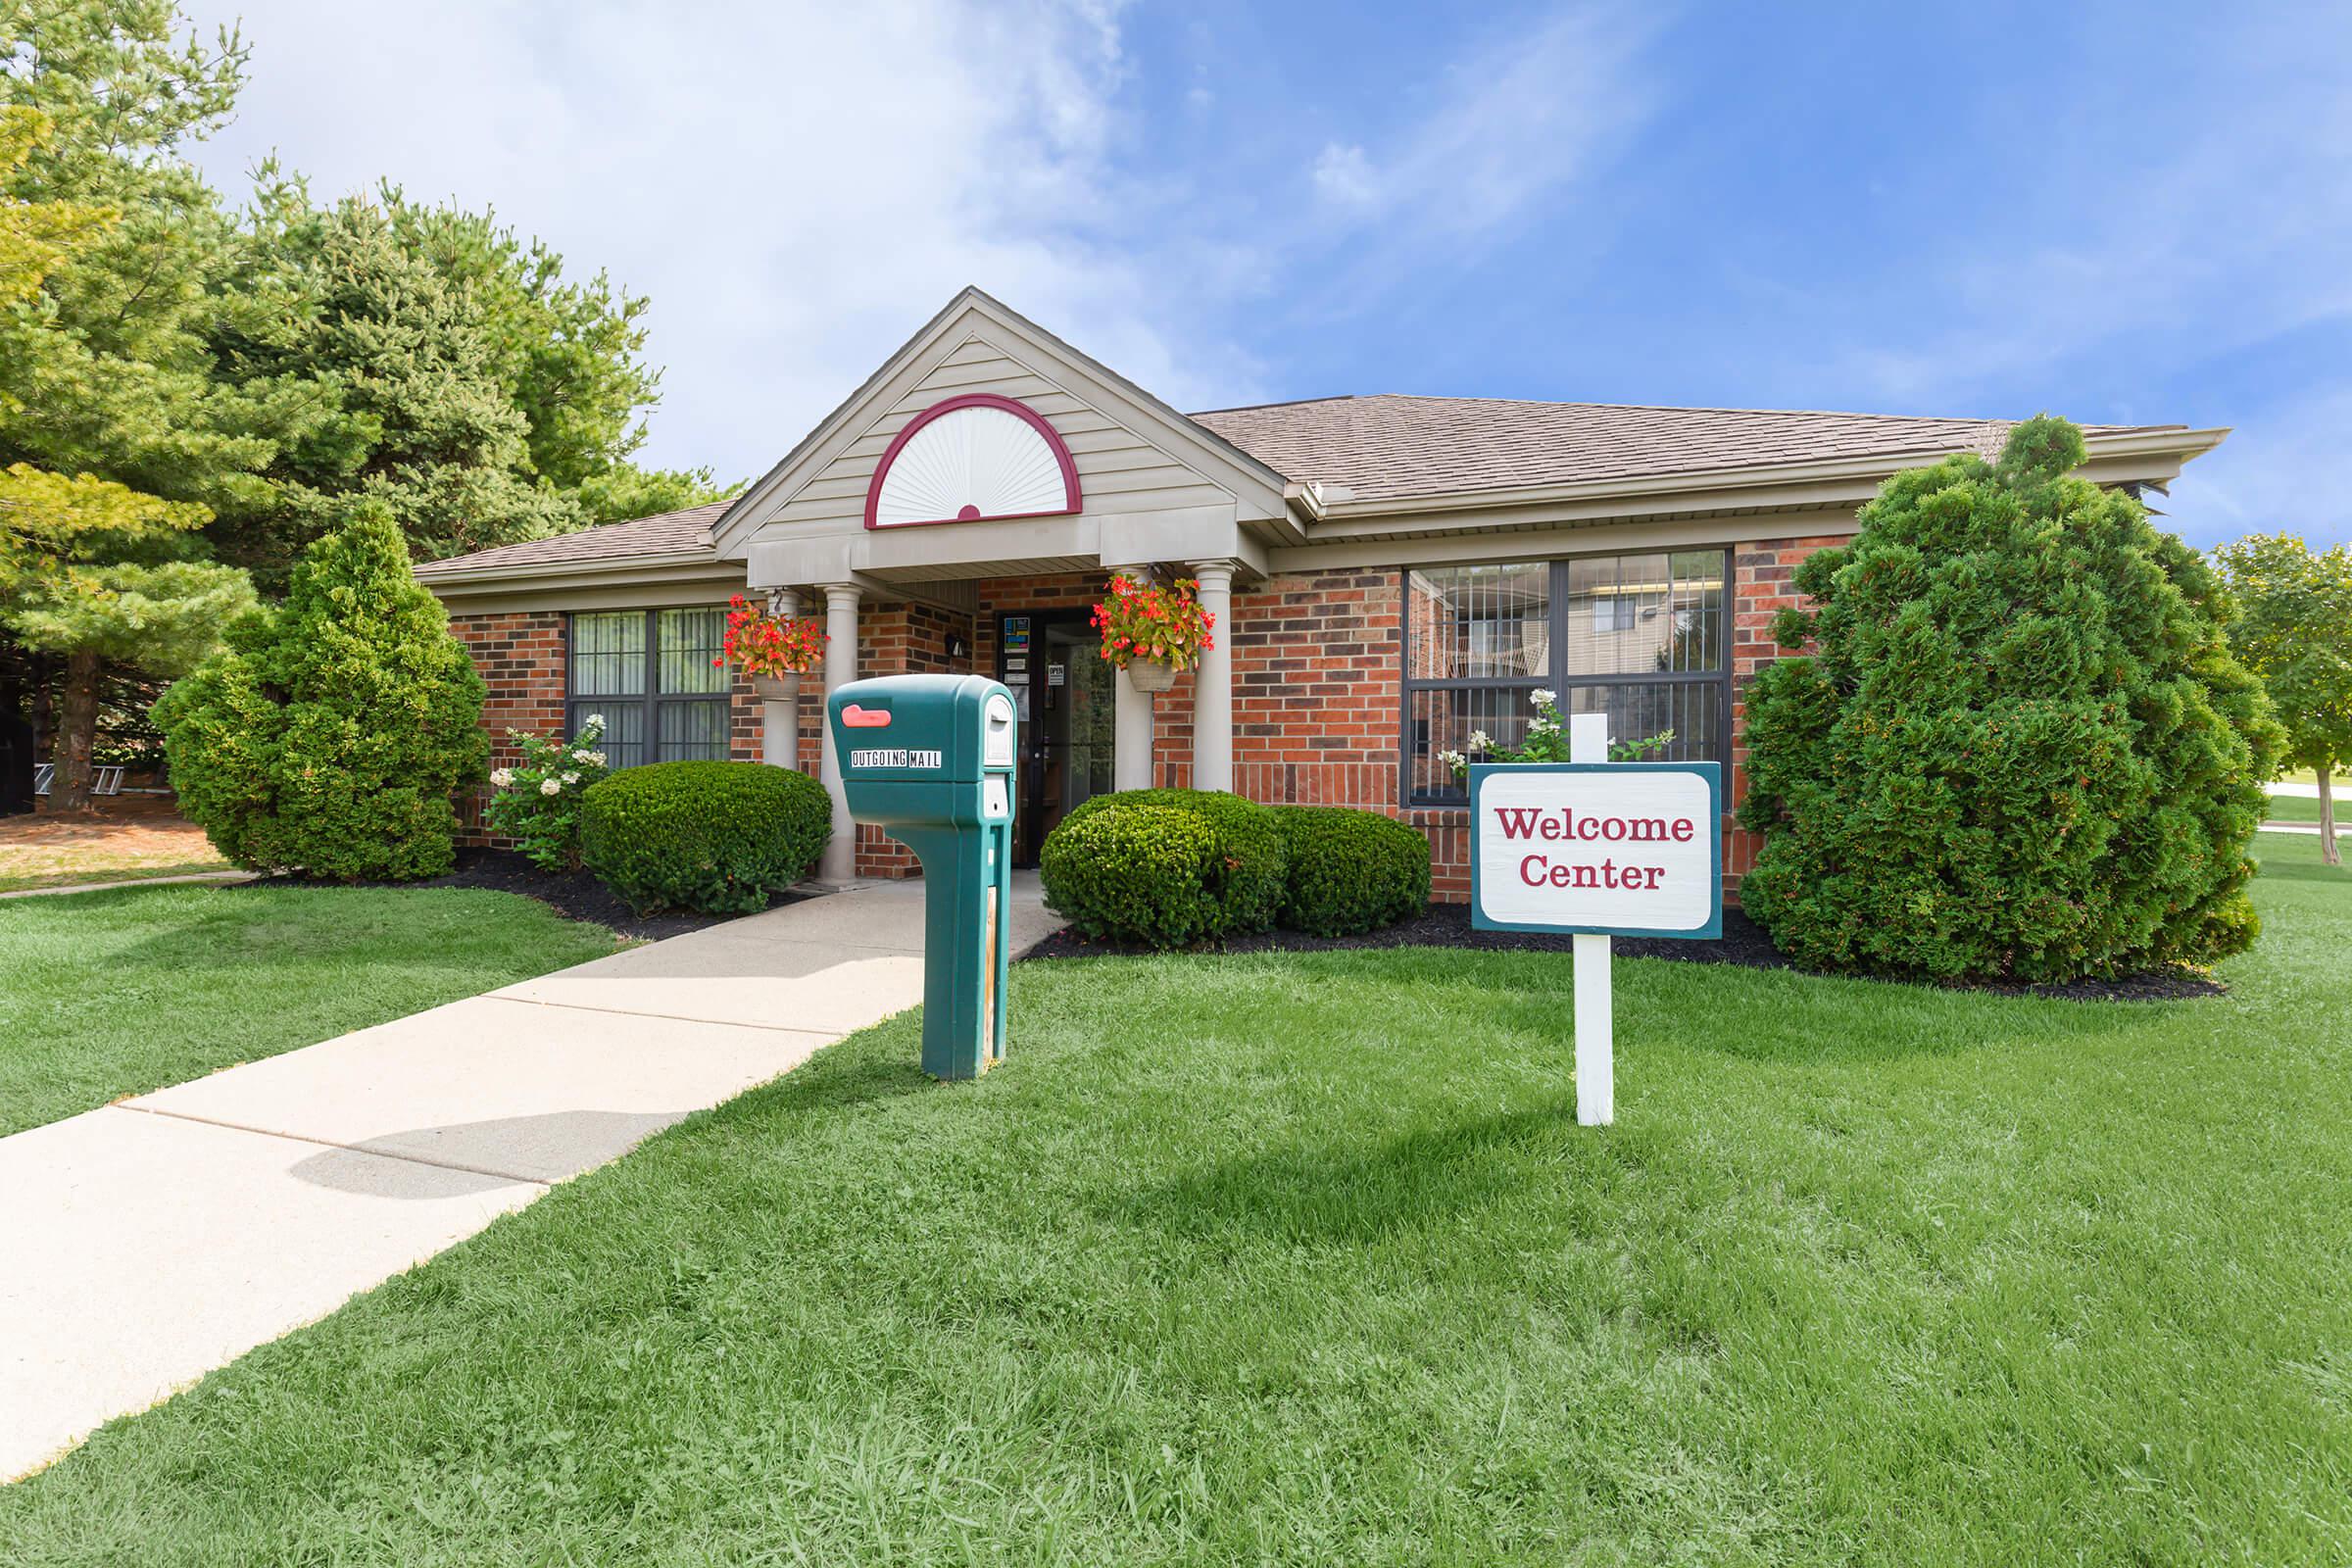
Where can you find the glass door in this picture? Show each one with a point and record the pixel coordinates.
(1056, 668)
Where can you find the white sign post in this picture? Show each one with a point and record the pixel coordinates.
(1595, 1015)
(1598, 850)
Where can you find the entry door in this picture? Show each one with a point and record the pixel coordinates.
(1054, 665)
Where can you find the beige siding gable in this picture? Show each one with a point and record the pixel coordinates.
(1119, 471)
(1139, 463)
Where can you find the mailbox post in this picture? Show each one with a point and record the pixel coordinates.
(929, 760)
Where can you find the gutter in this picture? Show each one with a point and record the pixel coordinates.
(671, 561)
(1333, 506)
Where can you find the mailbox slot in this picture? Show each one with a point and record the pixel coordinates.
(996, 743)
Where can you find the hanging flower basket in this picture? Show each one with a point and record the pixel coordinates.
(773, 651)
(1151, 632)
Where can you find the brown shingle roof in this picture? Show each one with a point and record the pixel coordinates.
(1390, 447)
(639, 536)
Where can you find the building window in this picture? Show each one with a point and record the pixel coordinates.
(1641, 637)
(651, 674)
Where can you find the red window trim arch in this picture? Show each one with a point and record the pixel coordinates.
(975, 400)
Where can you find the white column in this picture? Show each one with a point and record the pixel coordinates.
(1212, 681)
(780, 722)
(1130, 723)
(840, 862)
(1595, 1020)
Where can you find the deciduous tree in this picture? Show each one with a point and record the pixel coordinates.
(2295, 629)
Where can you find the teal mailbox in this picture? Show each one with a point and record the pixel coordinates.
(928, 759)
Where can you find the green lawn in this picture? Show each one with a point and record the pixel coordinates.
(1303, 1259)
(110, 994)
(2303, 809)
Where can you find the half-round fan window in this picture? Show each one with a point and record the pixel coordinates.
(970, 458)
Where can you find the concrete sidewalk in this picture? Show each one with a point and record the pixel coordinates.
(156, 1239)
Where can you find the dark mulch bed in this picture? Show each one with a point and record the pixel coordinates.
(1742, 943)
(574, 895)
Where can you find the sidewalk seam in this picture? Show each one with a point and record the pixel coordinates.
(828, 1036)
(326, 1143)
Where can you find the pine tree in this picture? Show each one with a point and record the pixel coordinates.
(106, 367)
(85, 568)
(332, 733)
(2022, 749)
(492, 403)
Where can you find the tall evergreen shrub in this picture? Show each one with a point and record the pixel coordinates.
(332, 733)
(2022, 748)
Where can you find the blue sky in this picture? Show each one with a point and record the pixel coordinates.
(2117, 213)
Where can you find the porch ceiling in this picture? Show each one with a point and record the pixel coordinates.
(973, 570)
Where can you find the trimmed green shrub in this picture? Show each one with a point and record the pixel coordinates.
(330, 735)
(718, 837)
(1350, 870)
(2022, 749)
(1165, 868)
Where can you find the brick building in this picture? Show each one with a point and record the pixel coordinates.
(1390, 575)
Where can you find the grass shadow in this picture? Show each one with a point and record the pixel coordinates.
(2277, 869)
(1832, 1020)
(385, 924)
(1318, 1193)
(854, 1073)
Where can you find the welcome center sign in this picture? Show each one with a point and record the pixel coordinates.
(1608, 849)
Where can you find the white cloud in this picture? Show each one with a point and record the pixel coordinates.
(796, 186)
(1344, 178)
(1508, 125)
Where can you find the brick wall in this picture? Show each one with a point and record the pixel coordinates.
(903, 639)
(1316, 661)
(522, 656)
(1761, 575)
(1316, 694)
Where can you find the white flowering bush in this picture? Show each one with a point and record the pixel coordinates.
(1546, 742)
(538, 799)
